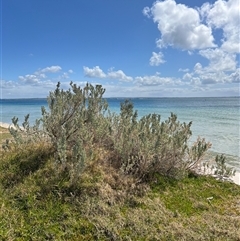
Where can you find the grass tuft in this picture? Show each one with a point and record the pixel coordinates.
(40, 202)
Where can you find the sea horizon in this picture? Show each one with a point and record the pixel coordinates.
(136, 97)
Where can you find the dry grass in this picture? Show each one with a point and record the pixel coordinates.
(41, 202)
(4, 134)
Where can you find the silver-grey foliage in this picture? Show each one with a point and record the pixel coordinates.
(78, 122)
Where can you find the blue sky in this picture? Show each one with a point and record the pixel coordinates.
(170, 48)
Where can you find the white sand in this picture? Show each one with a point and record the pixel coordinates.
(236, 178)
(4, 125)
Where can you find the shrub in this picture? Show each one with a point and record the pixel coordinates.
(78, 121)
(221, 170)
(73, 122)
(25, 134)
(150, 146)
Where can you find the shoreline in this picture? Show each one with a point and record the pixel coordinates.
(235, 179)
(4, 125)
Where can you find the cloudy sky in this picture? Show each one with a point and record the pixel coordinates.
(141, 48)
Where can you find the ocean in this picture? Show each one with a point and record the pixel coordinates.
(215, 119)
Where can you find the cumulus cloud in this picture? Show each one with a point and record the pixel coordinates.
(4, 84)
(147, 12)
(36, 84)
(97, 72)
(156, 59)
(198, 68)
(222, 68)
(119, 75)
(154, 80)
(30, 79)
(180, 26)
(40, 77)
(147, 80)
(211, 77)
(235, 77)
(187, 76)
(52, 69)
(219, 59)
(65, 75)
(225, 15)
(196, 81)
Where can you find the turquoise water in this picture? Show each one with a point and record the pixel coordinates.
(216, 119)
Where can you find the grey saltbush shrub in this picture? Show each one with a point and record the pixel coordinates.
(73, 122)
(25, 134)
(221, 170)
(78, 121)
(148, 145)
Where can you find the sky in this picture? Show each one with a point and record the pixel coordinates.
(141, 48)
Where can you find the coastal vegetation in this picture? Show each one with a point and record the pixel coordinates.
(84, 173)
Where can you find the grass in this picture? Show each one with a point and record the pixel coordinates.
(39, 201)
(4, 134)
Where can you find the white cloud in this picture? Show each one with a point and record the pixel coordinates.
(187, 76)
(52, 69)
(8, 84)
(40, 77)
(198, 68)
(64, 75)
(119, 75)
(37, 84)
(180, 26)
(219, 59)
(30, 79)
(97, 72)
(147, 12)
(156, 59)
(222, 68)
(234, 77)
(148, 80)
(183, 70)
(212, 77)
(19, 90)
(195, 81)
(225, 15)
(154, 80)
(208, 77)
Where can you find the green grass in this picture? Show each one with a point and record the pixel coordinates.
(38, 201)
(194, 195)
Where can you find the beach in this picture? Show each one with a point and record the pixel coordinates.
(4, 125)
(236, 178)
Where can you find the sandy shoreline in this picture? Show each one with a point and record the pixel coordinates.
(235, 179)
(4, 125)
